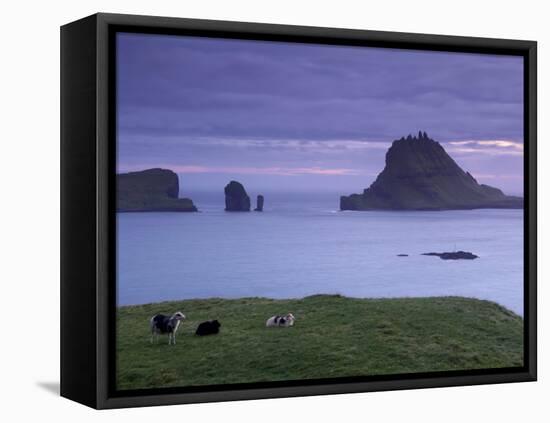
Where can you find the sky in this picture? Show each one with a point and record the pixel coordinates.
(305, 117)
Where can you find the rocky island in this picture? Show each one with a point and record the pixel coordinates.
(151, 190)
(236, 198)
(455, 255)
(420, 175)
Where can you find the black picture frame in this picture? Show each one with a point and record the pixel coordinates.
(88, 238)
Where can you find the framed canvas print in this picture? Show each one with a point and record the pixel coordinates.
(255, 211)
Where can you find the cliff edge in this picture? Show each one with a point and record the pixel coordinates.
(151, 190)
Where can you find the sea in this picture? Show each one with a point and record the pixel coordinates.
(301, 245)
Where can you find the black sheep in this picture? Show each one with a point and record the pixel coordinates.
(208, 328)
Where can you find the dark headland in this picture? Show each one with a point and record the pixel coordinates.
(151, 190)
(420, 175)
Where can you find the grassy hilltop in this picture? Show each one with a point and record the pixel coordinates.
(333, 336)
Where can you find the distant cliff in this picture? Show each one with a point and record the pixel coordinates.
(152, 190)
(420, 175)
(236, 198)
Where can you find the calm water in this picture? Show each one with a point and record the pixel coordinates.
(302, 246)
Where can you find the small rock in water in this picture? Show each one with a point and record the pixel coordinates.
(456, 255)
(259, 203)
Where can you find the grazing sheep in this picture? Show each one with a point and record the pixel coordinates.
(161, 324)
(280, 321)
(211, 327)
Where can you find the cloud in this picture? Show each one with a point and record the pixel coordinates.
(280, 171)
(322, 145)
(498, 177)
(490, 147)
(209, 87)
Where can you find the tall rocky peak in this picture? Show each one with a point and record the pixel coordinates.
(150, 190)
(414, 156)
(236, 198)
(420, 175)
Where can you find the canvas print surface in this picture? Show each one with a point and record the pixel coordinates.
(291, 211)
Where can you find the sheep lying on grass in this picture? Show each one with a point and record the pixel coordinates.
(280, 321)
(211, 327)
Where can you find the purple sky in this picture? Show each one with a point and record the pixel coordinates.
(285, 116)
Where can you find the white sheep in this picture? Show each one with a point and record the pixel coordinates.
(161, 324)
(280, 321)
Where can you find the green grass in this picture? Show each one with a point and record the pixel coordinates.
(333, 336)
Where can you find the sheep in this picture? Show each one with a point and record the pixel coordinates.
(161, 324)
(280, 321)
(211, 327)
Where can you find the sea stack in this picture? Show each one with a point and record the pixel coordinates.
(151, 190)
(420, 175)
(236, 198)
(259, 203)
